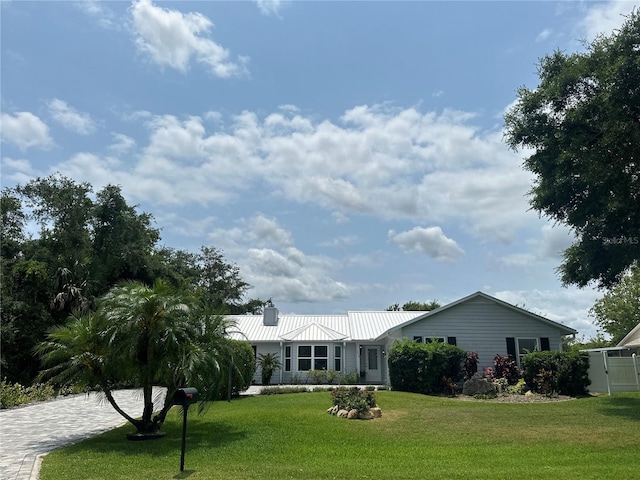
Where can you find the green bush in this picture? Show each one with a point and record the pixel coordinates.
(322, 377)
(353, 398)
(565, 373)
(424, 368)
(243, 369)
(280, 390)
(350, 378)
(14, 394)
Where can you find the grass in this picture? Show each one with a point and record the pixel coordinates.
(292, 436)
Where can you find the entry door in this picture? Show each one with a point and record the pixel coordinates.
(374, 366)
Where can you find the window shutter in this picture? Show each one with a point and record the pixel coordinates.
(451, 340)
(511, 346)
(544, 344)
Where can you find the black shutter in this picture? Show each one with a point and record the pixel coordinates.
(544, 344)
(451, 340)
(511, 346)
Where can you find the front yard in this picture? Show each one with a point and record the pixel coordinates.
(292, 436)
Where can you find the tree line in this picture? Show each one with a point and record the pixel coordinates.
(63, 248)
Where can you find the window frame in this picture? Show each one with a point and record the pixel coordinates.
(518, 348)
(315, 356)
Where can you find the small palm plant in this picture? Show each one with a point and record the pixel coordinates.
(269, 363)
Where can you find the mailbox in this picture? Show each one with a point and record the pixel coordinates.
(185, 396)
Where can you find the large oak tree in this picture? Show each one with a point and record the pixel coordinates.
(582, 127)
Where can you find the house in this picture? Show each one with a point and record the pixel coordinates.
(631, 340)
(359, 341)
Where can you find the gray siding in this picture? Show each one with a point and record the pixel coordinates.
(482, 326)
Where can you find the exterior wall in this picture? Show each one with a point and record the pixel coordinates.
(482, 326)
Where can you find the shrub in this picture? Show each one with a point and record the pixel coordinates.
(423, 368)
(565, 373)
(353, 398)
(269, 363)
(280, 390)
(470, 364)
(349, 378)
(14, 394)
(506, 367)
(322, 377)
(518, 389)
(243, 369)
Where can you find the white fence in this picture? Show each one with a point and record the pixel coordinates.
(613, 374)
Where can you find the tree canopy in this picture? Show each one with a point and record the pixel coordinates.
(582, 124)
(618, 311)
(85, 245)
(414, 306)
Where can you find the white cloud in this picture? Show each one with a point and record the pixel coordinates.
(96, 9)
(569, 306)
(604, 18)
(171, 38)
(121, 143)
(431, 241)
(549, 246)
(70, 118)
(269, 7)
(25, 130)
(543, 35)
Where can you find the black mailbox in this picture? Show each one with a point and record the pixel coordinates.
(185, 396)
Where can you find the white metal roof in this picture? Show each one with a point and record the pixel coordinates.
(632, 339)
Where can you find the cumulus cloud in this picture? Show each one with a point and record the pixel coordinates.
(70, 118)
(172, 38)
(569, 306)
(431, 241)
(549, 245)
(121, 143)
(604, 18)
(25, 130)
(275, 267)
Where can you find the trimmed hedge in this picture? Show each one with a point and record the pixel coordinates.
(565, 373)
(424, 368)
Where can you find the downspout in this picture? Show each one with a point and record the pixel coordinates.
(281, 366)
(635, 367)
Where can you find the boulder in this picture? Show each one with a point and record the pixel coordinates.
(478, 385)
(343, 413)
(353, 413)
(366, 415)
(376, 412)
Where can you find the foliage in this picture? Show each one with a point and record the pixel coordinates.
(414, 306)
(14, 394)
(322, 377)
(421, 368)
(618, 311)
(243, 368)
(470, 364)
(599, 341)
(565, 373)
(148, 336)
(356, 398)
(582, 123)
(83, 248)
(506, 367)
(520, 388)
(350, 377)
(269, 363)
(276, 390)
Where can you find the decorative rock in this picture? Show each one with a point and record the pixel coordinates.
(478, 385)
(333, 410)
(353, 413)
(366, 415)
(376, 412)
(343, 413)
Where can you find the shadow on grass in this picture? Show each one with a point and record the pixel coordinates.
(622, 406)
(185, 474)
(199, 435)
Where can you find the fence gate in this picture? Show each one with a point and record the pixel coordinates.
(613, 374)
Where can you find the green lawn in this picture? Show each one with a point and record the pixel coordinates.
(291, 436)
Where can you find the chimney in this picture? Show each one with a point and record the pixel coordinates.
(270, 316)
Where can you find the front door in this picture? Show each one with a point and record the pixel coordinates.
(373, 364)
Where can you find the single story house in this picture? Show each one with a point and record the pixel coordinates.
(359, 341)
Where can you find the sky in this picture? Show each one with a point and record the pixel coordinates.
(344, 155)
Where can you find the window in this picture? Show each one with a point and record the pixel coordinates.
(432, 339)
(417, 338)
(526, 345)
(304, 357)
(287, 358)
(315, 357)
(337, 358)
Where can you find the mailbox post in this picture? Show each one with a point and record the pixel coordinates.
(184, 397)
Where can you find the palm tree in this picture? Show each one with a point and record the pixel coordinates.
(269, 363)
(145, 336)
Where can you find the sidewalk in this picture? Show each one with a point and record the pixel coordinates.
(31, 431)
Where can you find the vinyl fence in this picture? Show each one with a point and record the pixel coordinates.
(613, 374)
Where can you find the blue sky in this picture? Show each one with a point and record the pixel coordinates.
(345, 155)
